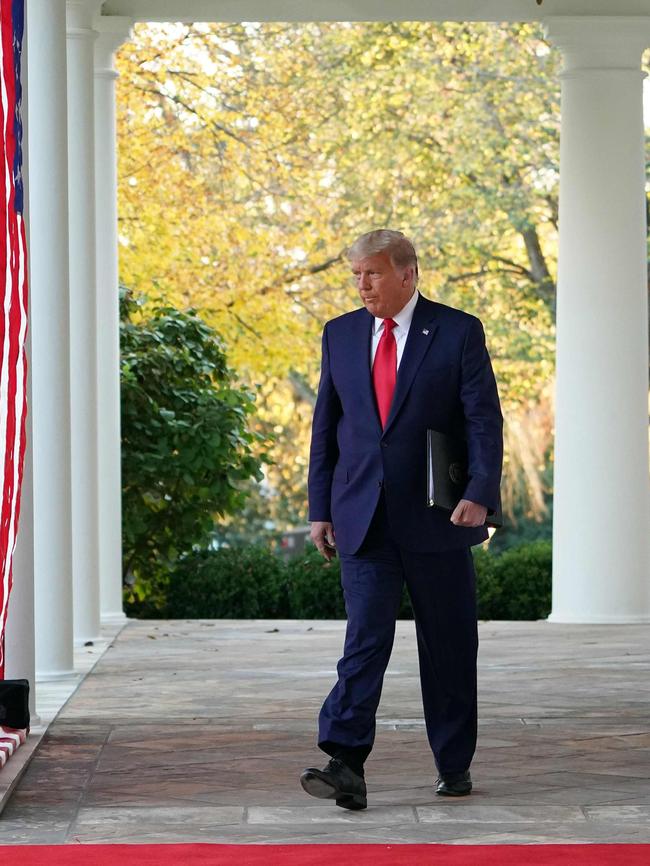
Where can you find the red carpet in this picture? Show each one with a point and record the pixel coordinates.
(320, 855)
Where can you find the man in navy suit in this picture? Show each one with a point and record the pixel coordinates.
(400, 365)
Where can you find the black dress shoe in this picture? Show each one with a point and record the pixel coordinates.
(336, 782)
(454, 784)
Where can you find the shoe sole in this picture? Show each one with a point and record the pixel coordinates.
(454, 793)
(317, 787)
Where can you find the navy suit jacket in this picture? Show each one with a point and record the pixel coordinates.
(444, 382)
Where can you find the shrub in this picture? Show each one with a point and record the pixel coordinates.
(515, 584)
(230, 583)
(188, 447)
(252, 583)
(488, 587)
(313, 586)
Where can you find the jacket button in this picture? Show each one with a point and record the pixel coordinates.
(384, 444)
(380, 484)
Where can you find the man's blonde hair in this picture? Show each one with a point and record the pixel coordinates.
(398, 247)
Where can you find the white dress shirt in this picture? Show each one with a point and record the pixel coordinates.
(400, 331)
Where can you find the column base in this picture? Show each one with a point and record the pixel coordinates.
(82, 641)
(114, 618)
(48, 677)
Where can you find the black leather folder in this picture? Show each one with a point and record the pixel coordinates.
(447, 474)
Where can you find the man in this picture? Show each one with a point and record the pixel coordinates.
(390, 370)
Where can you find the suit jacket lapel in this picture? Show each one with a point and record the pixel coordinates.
(421, 333)
(360, 364)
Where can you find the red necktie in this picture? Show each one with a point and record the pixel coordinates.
(384, 370)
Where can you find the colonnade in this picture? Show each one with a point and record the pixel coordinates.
(67, 568)
(67, 564)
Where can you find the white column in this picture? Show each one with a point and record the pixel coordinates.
(112, 32)
(83, 319)
(46, 166)
(601, 520)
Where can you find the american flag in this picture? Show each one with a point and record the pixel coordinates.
(13, 317)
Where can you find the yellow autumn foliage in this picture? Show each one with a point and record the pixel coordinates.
(251, 155)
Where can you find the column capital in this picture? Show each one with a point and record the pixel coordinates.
(113, 31)
(80, 15)
(599, 41)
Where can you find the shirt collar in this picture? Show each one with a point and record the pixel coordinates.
(403, 318)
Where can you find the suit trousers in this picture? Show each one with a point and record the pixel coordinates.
(442, 589)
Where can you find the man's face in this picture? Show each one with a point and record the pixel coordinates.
(383, 287)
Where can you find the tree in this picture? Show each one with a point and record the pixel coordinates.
(251, 154)
(187, 450)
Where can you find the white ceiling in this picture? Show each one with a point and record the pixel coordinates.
(367, 10)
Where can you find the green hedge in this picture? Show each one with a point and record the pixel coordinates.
(230, 583)
(252, 582)
(514, 584)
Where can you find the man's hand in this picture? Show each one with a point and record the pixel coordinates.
(322, 534)
(468, 513)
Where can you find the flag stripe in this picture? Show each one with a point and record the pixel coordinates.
(6, 401)
(10, 740)
(13, 322)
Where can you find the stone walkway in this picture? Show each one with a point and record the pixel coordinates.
(198, 731)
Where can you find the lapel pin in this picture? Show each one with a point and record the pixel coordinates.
(425, 332)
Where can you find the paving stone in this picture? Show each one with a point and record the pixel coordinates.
(568, 797)
(486, 813)
(329, 813)
(39, 829)
(160, 815)
(635, 814)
